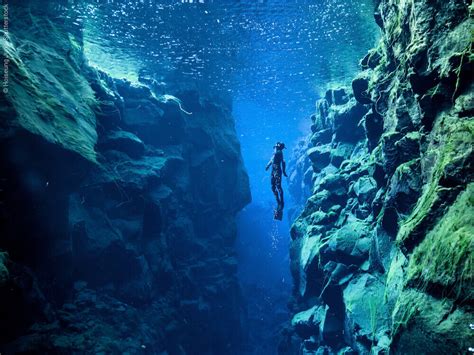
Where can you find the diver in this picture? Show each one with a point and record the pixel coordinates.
(278, 168)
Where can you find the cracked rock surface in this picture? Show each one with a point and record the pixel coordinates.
(381, 254)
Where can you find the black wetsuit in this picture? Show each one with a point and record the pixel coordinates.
(278, 168)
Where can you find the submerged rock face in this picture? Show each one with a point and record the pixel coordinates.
(117, 209)
(382, 253)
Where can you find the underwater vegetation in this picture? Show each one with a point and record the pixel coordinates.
(382, 254)
(119, 196)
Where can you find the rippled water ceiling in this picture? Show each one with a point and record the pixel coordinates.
(246, 49)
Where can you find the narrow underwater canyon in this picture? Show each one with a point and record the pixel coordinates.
(121, 202)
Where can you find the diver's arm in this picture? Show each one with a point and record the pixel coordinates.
(269, 163)
(283, 167)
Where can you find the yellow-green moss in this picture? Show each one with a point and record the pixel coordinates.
(373, 307)
(407, 306)
(454, 143)
(394, 281)
(437, 324)
(445, 257)
(47, 94)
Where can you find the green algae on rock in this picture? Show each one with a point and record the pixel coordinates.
(40, 100)
(406, 194)
(444, 259)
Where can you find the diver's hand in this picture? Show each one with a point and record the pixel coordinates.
(284, 174)
(266, 168)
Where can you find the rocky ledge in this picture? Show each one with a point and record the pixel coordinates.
(117, 208)
(382, 253)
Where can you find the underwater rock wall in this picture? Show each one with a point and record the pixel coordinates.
(382, 253)
(117, 208)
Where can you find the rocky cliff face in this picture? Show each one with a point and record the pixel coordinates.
(382, 253)
(117, 208)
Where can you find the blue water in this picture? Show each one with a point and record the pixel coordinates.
(263, 243)
(269, 60)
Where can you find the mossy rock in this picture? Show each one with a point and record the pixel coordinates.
(347, 121)
(365, 189)
(305, 263)
(335, 183)
(404, 187)
(318, 217)
(337, 96)
(320, 156)
(38, 100)
(342, 152)
(446, 162)
(445, 258)
(349, 244)
(360, 87)
(307, 323)
(423, 324)
(367, 312)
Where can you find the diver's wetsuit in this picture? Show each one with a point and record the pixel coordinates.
(278, 167)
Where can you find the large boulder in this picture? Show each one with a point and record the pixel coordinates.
(404, 187)
(367, 315)
(365, 189)
(320, 156)
(348, 121)
(350, 244)
(337, 96)
(341, 152)
(307, 323)
(360, 87)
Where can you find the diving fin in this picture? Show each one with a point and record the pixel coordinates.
(278, 213)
